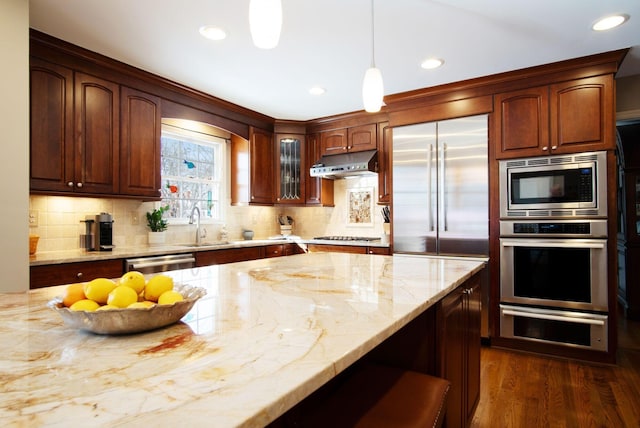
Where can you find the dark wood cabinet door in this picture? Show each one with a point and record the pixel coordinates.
(582, 115)
(97, 134)
(333, 142)
(361, 138)
(473, 312)
(385, 138)
(522, 123)
(140, 130)
(51, 147)
(219, 257)
(451, 340)
(319, 191)
(261, 174)
(353, 249)
(68, 273)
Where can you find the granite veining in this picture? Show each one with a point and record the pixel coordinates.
(268, 333)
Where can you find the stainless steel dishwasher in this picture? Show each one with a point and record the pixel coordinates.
(155, 264)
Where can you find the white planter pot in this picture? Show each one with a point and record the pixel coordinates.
(157, 238)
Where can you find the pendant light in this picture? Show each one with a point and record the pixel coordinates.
(265, 22)
(372, 86)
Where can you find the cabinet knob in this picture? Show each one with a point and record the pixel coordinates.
(70, 184)
(79, 184)
(545, 148)
(554, 147)
(79, 275)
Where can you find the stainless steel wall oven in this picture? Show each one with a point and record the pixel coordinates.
(553, 281)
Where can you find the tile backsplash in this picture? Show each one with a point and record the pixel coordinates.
(59, 219)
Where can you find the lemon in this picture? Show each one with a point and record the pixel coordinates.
(156, 286)
(98, 289)
(85, 305)
(141, 305)
(122, 296)
(73, 293)
(106, 307)
(133, 279)
(169, 298)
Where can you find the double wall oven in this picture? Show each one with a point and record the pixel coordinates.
(553, 250)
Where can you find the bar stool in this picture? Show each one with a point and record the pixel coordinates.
(377, 396)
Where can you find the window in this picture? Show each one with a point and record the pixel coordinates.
(193, 171)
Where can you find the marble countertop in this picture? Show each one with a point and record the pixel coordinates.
(268, 333)
(81, 255)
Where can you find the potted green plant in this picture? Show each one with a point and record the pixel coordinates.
(158, 225)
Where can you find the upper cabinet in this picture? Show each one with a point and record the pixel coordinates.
(140, 132)
(89, 138)
(261, 176)
(74, 131)
(289, 167)
(566, 117)
(355, 139)
(319, 191)
(52, 144)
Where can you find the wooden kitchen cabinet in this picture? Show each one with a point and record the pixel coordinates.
(140, 132)
(290, 159)
(565, 117)
(319, 191)
(458, 338)
(354, 139)
(69, 273)
(74, 131)
(52, 146)
(385, 138)
(261, 168)
(354, 249)
(231, 255)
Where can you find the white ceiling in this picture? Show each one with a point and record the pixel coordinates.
(328, 43)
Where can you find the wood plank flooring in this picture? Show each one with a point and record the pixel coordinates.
(526, 390)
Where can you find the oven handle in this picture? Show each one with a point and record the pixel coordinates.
(571, 243)
(552, 317)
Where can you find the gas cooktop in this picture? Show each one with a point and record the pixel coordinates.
(347, 238)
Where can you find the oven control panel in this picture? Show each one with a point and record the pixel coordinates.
(565, 228)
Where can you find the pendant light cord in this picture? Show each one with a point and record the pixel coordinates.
(373, 39)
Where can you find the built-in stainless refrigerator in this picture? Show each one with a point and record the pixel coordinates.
(440, 189)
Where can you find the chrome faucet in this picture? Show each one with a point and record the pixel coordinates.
(193, 211)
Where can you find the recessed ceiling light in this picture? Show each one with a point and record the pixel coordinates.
(317, 90)
(213, 33)
(610, 22)
(431, 63)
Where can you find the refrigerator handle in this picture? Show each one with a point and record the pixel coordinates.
(430, 205)
(443, 193)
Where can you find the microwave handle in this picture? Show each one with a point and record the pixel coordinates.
(570, 243)
(552, 317)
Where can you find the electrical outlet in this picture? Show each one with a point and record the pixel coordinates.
(134, 218)
(33, 218)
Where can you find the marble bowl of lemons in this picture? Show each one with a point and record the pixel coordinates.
(130, 304)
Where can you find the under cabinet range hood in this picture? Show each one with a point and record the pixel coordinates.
(345, 165)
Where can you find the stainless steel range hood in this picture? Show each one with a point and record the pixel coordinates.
(345, 165)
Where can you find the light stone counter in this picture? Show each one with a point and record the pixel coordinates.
(268, 333)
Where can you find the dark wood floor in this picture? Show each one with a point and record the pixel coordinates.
(525, 390)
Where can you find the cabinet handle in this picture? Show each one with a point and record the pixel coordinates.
(554, 147)
(79, 184)
(70, 184)
(79, 275)
(545, 148)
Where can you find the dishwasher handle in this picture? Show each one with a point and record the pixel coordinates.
(142, 265)
(148, 264)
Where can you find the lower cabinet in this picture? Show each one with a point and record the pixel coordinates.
(353, 249)
(68, 273)
(458, 339)
(219, 257)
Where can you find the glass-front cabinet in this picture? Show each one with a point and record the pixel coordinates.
(290, 162)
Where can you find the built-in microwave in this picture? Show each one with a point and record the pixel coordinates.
(572, 185)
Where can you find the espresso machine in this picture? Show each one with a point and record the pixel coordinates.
(98, 235)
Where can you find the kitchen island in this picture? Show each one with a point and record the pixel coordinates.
(267, 334)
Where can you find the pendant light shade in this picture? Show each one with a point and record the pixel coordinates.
(372, 87)
(265, 22)
(372, 90)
